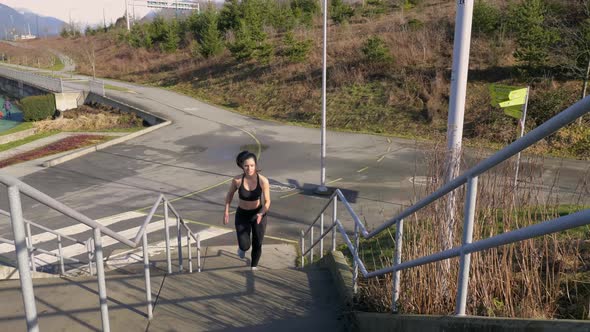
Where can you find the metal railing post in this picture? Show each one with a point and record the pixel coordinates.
(90, 250)
(321, 234)
(22, 257)
(146, 270)
(29, 241)
(198, 252)
(167, 231)
(190, 254)
(61, 256)
(302, 242)
(311, 248)
(102, 287)
(179, 239)
(465, 259)
(397, 258)
(355, 272)
(334, 216)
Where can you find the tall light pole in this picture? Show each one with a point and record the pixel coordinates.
(322, 188)
(457, 108)
(127, 16)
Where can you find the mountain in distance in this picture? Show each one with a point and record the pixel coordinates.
(19, 22)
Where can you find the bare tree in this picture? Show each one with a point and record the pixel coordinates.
(89, 49)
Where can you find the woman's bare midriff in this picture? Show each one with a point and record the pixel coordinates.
(249, 205)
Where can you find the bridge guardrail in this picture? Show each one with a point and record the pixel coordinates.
(44, 82)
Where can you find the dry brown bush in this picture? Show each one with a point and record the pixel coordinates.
(537, 278)
(90, 119)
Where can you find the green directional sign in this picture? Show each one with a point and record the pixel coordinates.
(514, 111)
(506, 95)
(512, 102)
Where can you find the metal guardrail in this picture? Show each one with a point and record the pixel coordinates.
(25, 250)
(469, 177)
(30, 78)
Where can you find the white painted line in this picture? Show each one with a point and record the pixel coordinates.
(74, 229)
(135, 255)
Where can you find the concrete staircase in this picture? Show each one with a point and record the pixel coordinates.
(226, 296)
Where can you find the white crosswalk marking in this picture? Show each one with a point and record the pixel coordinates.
(75, 229)
(76, 249)
(135, 255)
(120, 259)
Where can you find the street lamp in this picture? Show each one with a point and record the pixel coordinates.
(127, 15)
(322, 189)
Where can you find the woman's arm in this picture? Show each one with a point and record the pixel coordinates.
(266, 193)
(228, 198)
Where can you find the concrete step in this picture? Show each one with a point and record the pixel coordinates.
(268, 300)
(264, 300)
(213, 258)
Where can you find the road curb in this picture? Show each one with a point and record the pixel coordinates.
(17, 136)
(80, 153)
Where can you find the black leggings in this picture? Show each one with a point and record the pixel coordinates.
(245, 223)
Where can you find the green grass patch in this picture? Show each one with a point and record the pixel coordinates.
(24, 141)
(57, 66)
(20, 127)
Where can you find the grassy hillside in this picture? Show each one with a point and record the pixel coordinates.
(27, 55)
(403, 90)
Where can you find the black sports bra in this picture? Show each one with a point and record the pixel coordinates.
(250, 195)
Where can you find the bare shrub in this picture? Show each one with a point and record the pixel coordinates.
(535, 278)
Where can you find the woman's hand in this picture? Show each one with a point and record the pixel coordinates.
(226, 218)
(259, 218)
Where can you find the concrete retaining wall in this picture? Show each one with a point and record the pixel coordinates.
(148, 117)
(67, 100)
(365, 321)
(341, 273)
(18, 89)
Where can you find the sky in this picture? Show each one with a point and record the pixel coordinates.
(82, 11)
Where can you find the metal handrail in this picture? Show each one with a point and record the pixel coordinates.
(469, 177)
(7, 214)
(7, 241)
(62, 208)
(58, 236)
(24, 248)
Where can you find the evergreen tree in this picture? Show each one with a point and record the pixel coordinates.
(230, 15)
(340, 12)
(243, 46)
(533, 37)
(171, 37)
(211, 43)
